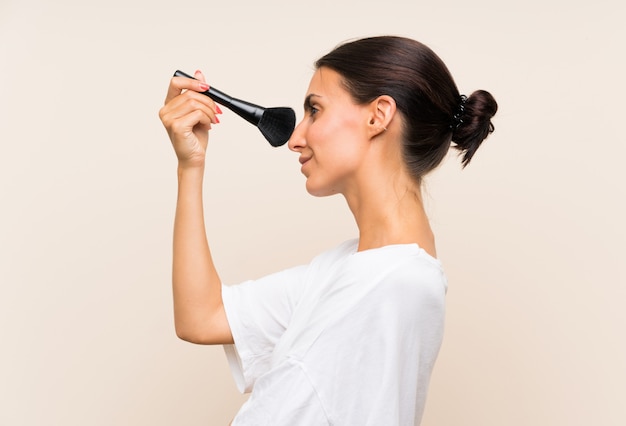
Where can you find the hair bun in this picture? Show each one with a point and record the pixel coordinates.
(473, 123)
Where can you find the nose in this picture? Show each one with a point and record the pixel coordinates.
(297, 140)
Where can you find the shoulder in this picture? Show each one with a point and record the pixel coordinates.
(412, 291)
(341, 250)
(405, 270)
(335, 254)
(417, 266)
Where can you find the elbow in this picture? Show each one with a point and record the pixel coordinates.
(208, 335)
(205, 329)
(189, 335)
(182, 334)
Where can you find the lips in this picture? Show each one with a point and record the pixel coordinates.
(303, 159)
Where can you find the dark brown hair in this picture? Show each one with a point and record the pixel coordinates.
(434, 112)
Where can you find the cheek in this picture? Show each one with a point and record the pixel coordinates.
(335, 139)
(322, 130)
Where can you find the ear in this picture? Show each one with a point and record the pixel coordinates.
(381, 112)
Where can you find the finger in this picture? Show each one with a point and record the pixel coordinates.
(179, 84)
(185, 104)
(193, 100)
(193, 120)
(202, 120)
(199, 76)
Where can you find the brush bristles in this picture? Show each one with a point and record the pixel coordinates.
(277, 125)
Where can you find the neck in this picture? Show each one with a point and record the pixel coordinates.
(391, 213)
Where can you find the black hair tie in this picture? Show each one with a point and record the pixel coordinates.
(457, 118)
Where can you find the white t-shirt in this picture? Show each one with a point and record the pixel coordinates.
(350, 339)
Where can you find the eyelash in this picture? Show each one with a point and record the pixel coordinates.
(311, 110)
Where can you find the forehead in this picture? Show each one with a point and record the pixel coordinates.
(327, 83)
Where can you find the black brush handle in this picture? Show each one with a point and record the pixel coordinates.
(246, 110)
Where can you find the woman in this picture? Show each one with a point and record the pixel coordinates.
(351, 338)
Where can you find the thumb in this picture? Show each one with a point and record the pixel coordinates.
(199, 76)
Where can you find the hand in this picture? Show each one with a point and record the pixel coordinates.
(187, 116)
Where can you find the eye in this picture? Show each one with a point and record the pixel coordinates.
(311, 106)
(312, 110)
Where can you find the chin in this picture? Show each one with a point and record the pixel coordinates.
(319, 190)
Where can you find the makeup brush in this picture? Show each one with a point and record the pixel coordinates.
(276, 124)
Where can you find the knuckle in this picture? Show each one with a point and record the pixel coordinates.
(195, 104)
(177, 126)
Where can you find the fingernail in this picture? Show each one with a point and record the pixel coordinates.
(217, 120)
(204, 86)
(217, 109)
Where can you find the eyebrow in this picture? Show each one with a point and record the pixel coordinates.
(307, 100)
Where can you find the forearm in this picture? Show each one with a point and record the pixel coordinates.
(196, 283)
(199, 313)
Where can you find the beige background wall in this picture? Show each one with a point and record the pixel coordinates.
(532, 233)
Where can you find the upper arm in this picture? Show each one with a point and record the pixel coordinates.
(262, 307)
(208, 326)
(211, 329)
(259, 311)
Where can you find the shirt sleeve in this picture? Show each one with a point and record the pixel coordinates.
(258, 313)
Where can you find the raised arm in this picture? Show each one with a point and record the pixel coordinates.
(198, 309)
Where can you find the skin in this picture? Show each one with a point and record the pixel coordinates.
(344, 148)
(355, 150)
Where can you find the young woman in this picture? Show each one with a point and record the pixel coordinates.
(351, 338)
